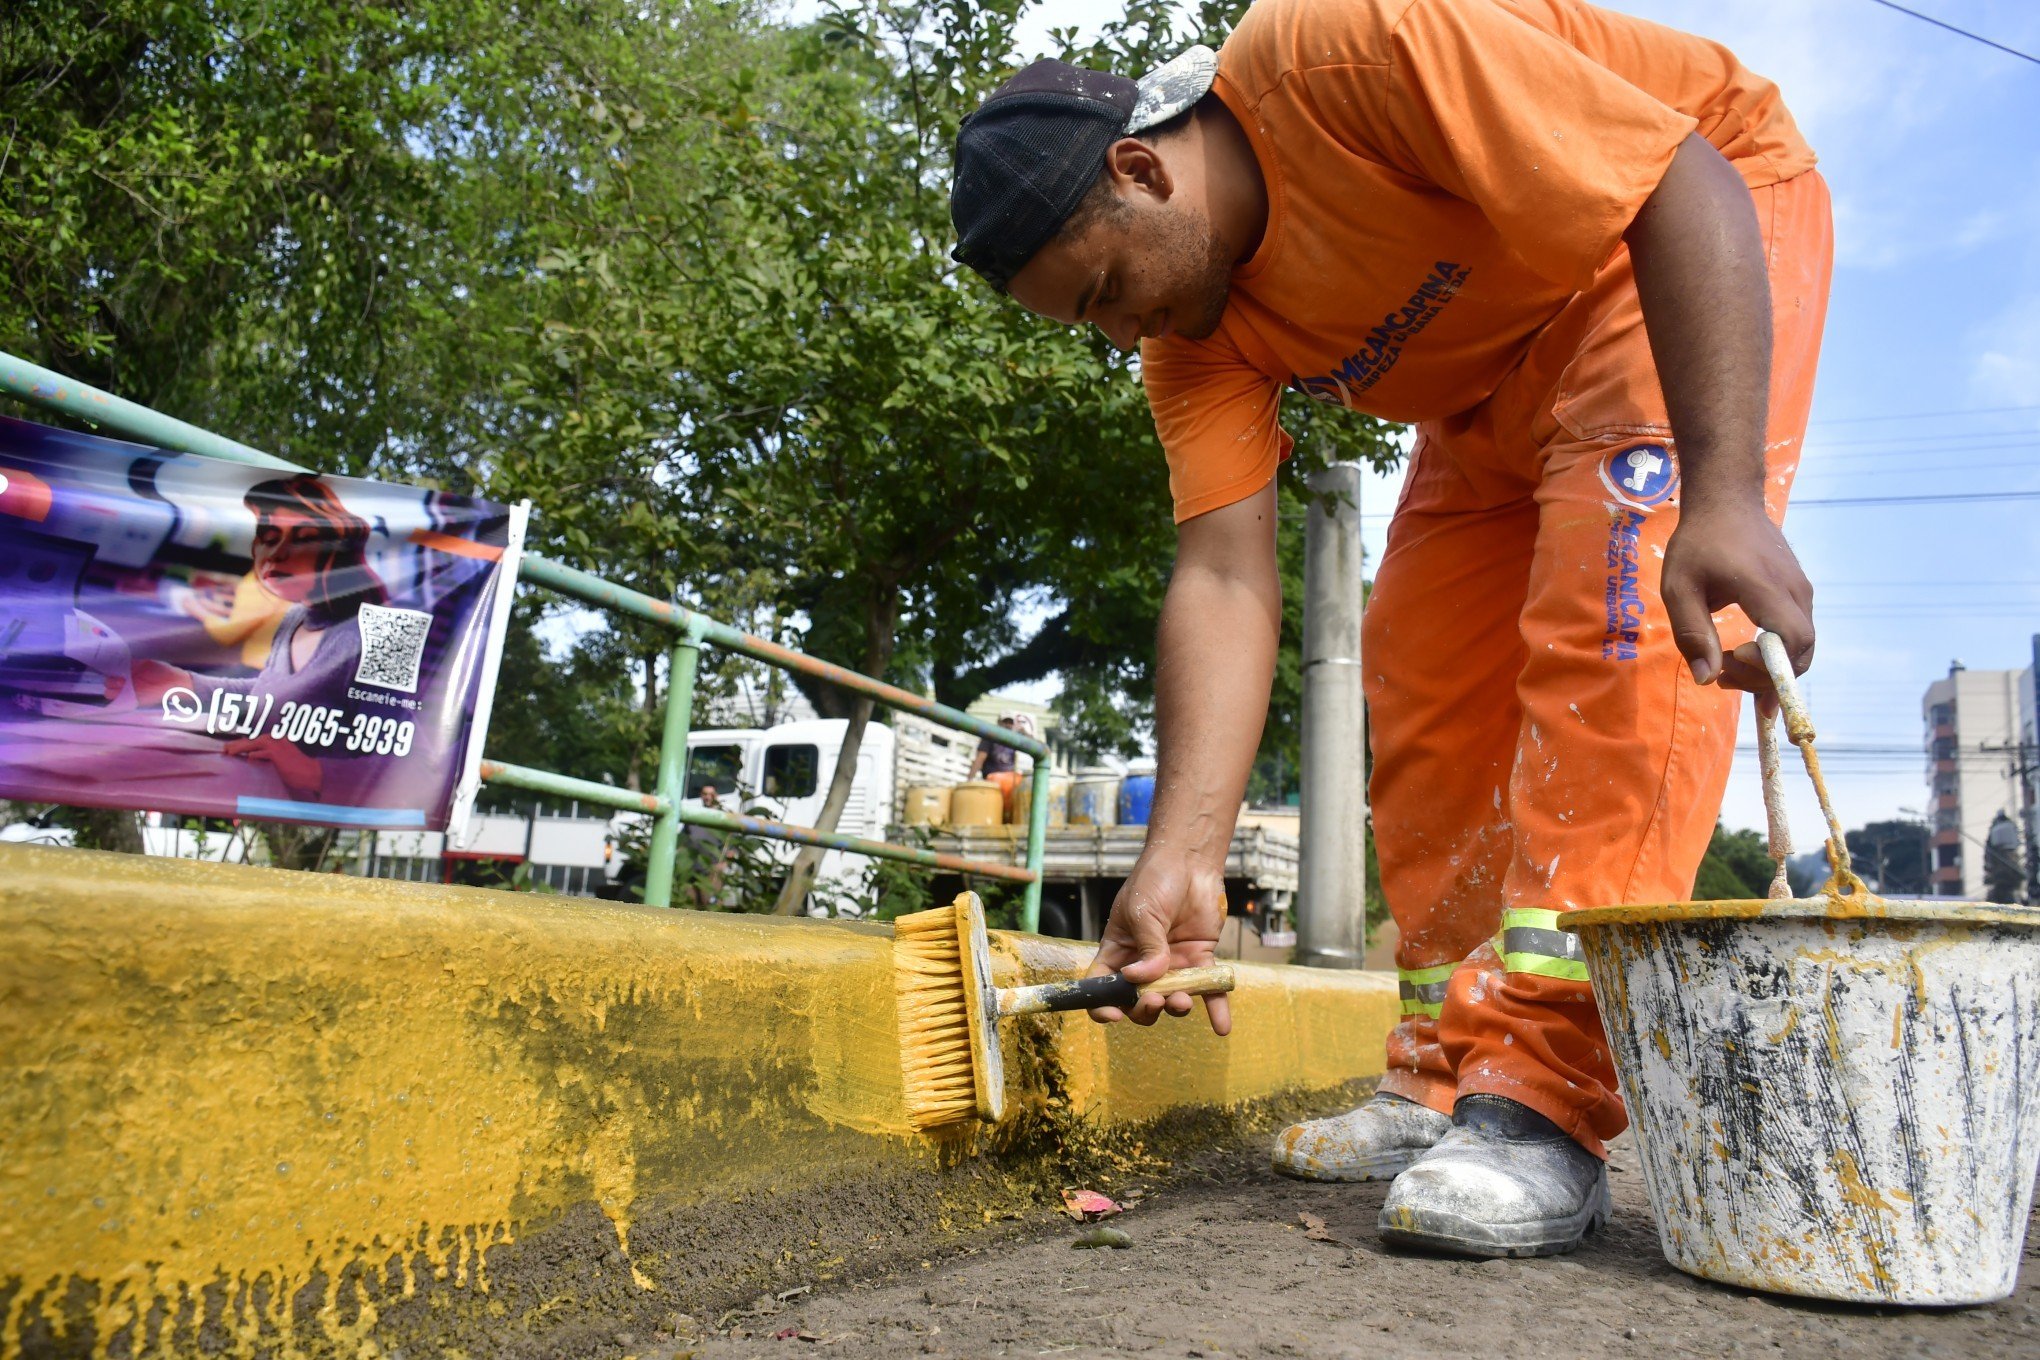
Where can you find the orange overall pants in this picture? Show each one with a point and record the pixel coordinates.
(1539, 744)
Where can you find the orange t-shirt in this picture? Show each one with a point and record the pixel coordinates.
(1442, 176)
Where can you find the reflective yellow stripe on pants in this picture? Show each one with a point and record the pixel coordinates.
(1531, 942)
(1423, 989)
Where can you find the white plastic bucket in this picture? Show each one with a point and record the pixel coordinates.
(1833, 1097)
(1058, 799)
(1094, 798)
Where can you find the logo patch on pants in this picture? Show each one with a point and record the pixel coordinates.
(1644, 476)
(1640, 478)
(1624, 597)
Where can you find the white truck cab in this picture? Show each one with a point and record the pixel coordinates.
(782, 773)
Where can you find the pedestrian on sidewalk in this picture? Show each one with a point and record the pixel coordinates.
(1588, 258)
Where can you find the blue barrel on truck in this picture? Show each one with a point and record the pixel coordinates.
(1137, 795)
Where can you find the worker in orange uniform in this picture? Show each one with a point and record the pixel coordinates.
(1588, 257)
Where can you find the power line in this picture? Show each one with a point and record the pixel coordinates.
(1918, 582)
(1956, 441)
(1964, 600)
(1840, 614)
(1939, 469)
(1879, 500)
(1925, 415)
(1941, 499)
(1937, 439)
(1920, 500)
(1887, 748)
(1927, 467)
(1974, 37)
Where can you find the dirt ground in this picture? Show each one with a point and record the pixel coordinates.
(1220, 1266)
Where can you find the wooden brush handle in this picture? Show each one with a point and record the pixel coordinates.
(1112, 989)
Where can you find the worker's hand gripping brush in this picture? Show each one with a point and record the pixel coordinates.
(949, 1010)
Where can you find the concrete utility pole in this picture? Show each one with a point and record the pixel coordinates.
(1331, 916)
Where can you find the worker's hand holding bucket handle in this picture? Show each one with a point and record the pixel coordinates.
(1734, 555)
(1167, 916)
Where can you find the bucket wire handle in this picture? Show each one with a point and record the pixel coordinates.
(1842, 882)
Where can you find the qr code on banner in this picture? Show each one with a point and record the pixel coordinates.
(392, 642)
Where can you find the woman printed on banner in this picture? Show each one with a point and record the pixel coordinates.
(310, 552)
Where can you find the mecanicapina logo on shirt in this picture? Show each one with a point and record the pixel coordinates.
(1369, 364)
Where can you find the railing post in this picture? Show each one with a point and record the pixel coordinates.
(1037, 834)
(672, 786)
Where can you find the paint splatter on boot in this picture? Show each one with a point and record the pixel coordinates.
(1504, 1181)
(1375, 1142)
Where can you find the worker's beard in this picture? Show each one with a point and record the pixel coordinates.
(1208, 280)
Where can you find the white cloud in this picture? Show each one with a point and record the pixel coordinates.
(2008, 369)
(1867, 88)
(1982, 228)
(1831, 65)
(1880, 230)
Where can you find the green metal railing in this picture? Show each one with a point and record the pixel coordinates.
(692, 630)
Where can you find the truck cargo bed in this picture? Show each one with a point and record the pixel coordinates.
(1083, 866)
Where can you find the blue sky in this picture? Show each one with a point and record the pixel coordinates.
(1931, 145)
(1928, 141)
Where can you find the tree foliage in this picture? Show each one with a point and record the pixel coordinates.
(677, 272)
(919, 465)
(1892, 855)
(1737, 866)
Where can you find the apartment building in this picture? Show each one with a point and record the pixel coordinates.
(1978, 724)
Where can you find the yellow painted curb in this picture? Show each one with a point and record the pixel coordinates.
(248, 1109)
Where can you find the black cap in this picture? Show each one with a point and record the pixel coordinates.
(1026, 158)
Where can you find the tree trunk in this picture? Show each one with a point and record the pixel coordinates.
(109, 829)
(305, 848)
(881, 620)
(633, 775)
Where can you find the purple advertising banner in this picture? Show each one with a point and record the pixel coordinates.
(184, 634)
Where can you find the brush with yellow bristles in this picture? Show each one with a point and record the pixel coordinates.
(949, 1010)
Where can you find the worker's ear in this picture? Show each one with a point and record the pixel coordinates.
(1136, 167)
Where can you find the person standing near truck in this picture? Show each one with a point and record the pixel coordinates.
(1588, 258)
(998, 763)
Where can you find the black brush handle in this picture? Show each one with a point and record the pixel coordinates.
(1111, 989)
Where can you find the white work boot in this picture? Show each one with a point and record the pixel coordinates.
(1504, 1181)
(1375, 1142)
